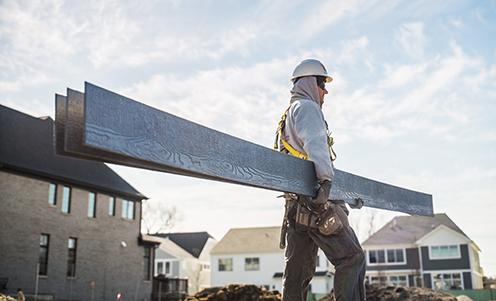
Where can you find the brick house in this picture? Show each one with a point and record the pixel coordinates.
(432, 252)
(69, 229)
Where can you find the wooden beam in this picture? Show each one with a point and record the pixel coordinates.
(108, 127)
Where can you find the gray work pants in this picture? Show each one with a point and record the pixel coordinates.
(343, 250)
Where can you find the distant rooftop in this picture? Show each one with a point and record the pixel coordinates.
(249, 240)
(409, 229)
(192, 242)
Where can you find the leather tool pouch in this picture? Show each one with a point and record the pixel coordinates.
(327, 222)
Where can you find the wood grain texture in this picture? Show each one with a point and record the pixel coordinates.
(103, 126)
(129, 129)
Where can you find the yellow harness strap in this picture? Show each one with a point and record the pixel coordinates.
(290, 149)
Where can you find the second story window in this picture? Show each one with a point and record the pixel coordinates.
(91, 204)
(225, 264)
(52, 194)
(377, 256)
(112, 206)
(66, 200)
(395, 255)
(252, 264)
(440, 252)
(388, 256)
(127, 209)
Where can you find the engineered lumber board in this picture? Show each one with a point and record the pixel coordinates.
(134, 134)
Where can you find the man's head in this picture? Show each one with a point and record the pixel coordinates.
(310, 67)
(313, 68)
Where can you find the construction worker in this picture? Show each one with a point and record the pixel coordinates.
(303, 133)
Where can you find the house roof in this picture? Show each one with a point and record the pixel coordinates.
(169, 246)
(26, 147)
(409, 229)
(249, 240)
(192, 242)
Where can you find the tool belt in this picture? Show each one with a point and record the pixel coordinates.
(325, 220)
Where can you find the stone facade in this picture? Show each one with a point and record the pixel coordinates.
(109, 258)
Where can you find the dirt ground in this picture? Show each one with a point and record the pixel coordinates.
(402, 293)
(246, 292)
(236, 292)
(6, 298)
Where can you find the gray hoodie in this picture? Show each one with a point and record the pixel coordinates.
(305, 129)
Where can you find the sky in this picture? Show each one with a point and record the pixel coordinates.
(412, 103)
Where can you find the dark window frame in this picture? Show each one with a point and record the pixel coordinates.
(71, 257)
(147, 260)
(52, 197)
(90, 200)
(43, 255)
(112, 203)
(66, 201)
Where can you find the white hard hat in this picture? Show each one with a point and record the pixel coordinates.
(310, 67)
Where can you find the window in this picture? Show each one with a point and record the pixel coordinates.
(43, 256)
(225, 264)
(112, 206)
(318, 261)
(395, 255)
(52, 195)
(163, 268)
(440, 252)
(252, 264)
(66, 200)
(450, 281)
(389, 256)
(378, 280)
(391, 280)
(91, 205)
(204, 267)
(71, 259)
(397, 280)
(376, 256)
(146, 263)
(127, 209)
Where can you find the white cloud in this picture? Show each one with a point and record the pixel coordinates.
(411, 39)
(353, 50)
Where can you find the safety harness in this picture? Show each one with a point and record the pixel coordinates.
(287, 148)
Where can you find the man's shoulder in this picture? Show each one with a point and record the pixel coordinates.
(305, 104)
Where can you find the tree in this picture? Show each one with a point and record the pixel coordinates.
(157, 216)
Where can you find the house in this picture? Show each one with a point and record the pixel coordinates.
(184, 255)
(253, 256)
(423, 251)
(69, 229)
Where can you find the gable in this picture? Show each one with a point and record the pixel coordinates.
(249, 240)
(443, 235)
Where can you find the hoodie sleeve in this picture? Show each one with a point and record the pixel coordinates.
(307, 132)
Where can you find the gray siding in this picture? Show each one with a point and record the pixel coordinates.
(446, 264)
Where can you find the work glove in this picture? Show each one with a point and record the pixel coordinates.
(323, 193)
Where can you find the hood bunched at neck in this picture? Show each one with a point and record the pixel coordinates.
(305, 87)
